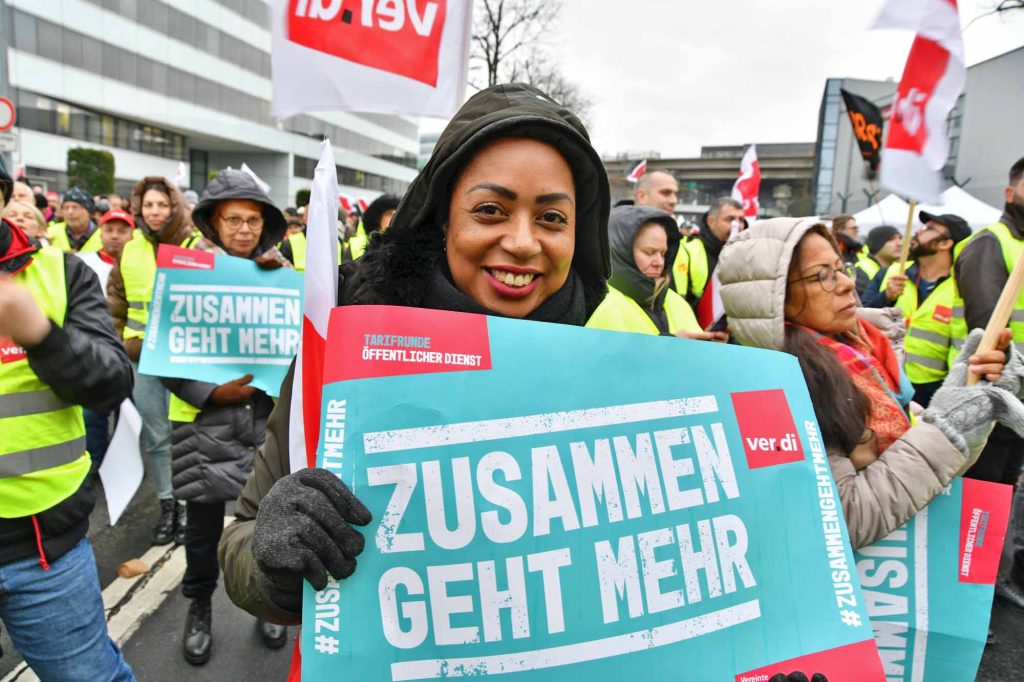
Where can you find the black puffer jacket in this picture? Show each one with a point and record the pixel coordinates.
(212, 456)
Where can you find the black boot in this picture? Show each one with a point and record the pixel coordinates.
(198, 638)
(274, 636)
(163, 534)
(180, 521)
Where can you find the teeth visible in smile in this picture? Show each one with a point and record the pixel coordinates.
(511, 279)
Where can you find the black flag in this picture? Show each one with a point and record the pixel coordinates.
(867, 127)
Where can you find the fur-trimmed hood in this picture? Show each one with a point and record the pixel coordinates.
(752, 272)
(398, 263)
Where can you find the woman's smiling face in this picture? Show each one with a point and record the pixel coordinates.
(511, 230)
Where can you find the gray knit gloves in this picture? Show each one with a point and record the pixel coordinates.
(303, 531)
(965, 414)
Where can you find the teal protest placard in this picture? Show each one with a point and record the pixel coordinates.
(552, 502)
(928, 585)
(216, 318)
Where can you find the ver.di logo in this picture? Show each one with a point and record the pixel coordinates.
(402, 37)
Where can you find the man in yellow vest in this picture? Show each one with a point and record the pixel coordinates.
(78, 232)
(981, 268)
(925, 295)
(58, 352)
(698, 256)
(882, 249)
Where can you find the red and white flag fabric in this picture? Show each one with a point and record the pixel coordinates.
(748, 184)
(363, 205)
(321, 287)
(710, 308)
(634, 175)
(916, 147)
(345, 202)
(396, 57)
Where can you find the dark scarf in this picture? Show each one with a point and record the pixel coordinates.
(565, 306)
(15, 248)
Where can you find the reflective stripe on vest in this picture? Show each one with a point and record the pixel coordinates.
(42, 438)
(929, 329)
(1011, 248)
(138, 270)
(58, 236)
(690, 269)
(621, 313)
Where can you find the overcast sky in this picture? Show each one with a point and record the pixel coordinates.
(672, 75)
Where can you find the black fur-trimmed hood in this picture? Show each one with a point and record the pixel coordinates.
(398, 262)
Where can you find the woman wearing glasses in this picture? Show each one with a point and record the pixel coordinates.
(216, 430)
(785, 287)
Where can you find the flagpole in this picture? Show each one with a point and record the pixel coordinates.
(905, 253)
(1001, 315)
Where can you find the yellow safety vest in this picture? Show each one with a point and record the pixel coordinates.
(298, 242)
(138, 270)
(868, 265)
(1011, 247)
(929, 329)
(620, 313)
(43, 459)
(690, 269)
(181, 411)
(357, 245)
(58, 235)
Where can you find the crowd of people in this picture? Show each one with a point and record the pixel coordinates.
(511, 216)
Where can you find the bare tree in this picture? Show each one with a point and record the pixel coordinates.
(508, 47)
(502, 29)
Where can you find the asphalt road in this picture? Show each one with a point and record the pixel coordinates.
(154, 649)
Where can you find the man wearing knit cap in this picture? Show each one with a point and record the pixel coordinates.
(78, 232)
(883, 244)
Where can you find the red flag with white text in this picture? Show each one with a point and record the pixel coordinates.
(400, 57)
(916, 147)
(748, 184)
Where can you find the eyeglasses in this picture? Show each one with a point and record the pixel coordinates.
(234, 223)
(827, 277)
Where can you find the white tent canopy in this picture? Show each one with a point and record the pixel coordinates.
(954, 200)
(893, 211)
(889, 211)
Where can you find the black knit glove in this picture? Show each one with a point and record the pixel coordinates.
(798, 676)
(302, 531)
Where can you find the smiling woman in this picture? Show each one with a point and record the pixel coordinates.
(509, 217)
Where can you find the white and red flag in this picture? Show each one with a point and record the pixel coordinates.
(321, 287)
(363, 205)
(396, 57)
(916, 147)
(345, 202)
(634, 175)
(180, 176)
(748, 184)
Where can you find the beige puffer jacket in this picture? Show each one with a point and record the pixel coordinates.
(878, 499)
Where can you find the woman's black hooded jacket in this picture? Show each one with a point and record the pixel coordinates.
(399, 264)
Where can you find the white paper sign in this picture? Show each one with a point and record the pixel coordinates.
(121, 470)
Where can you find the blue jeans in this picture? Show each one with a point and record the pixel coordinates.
(151, 400)
(55, 619)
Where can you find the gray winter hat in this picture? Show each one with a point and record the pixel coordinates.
(235, 184)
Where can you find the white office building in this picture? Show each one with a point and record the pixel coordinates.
(158, 82)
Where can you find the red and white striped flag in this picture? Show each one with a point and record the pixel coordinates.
(321, 287)
(363, 205)
(641, 168)
(345, 203)
(748, 184)
(916, 147)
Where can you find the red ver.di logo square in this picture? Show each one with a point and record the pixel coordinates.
(767, 428)
(399, 36)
